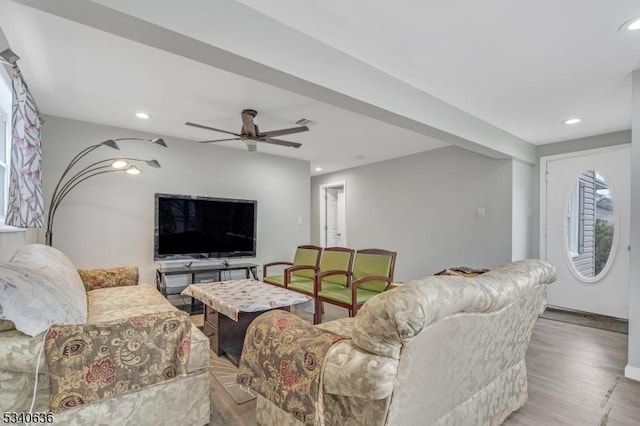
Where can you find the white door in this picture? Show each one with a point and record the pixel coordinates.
(585, 212)
(335, 217)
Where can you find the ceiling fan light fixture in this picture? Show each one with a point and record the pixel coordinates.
(630, 25)
(572, 121)
(252, 145)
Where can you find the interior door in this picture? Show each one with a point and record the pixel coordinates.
(335, 217)
(585, 224)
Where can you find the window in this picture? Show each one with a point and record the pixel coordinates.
(590, 224)
(5, 138)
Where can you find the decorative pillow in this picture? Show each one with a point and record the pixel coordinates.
(53, 263)
(462, 271)
(34, 301)
(109, 277)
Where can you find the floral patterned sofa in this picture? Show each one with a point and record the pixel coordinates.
(443, 350)
(104, 349)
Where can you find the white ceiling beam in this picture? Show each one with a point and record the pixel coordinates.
(331, 76)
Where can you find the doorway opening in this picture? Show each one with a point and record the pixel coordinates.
(333, 210)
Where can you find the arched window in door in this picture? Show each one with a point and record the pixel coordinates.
(589, 225)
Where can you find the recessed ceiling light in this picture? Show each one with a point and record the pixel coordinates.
(359, 157)
(318, 169)
(143, 115)
(631, 25)
(573, 121)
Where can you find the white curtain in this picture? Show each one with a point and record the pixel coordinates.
(25, 206)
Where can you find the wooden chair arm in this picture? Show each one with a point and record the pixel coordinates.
(370, 278)
(300, 267)
(267, 265)
(355, 284)
(288, 271)
(317, 280)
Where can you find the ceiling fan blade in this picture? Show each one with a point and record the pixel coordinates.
(200, 126)
(221, 140)
(283, 132)
(248, 127)
(281, 142)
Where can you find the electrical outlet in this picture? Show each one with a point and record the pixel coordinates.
(480, 213)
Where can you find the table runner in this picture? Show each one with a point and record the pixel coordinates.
(234, 296)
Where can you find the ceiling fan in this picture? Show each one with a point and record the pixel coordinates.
(251, 135)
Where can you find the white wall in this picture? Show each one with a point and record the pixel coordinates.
(521, 213)
(424, 207)
(12, 240)
(109, 220)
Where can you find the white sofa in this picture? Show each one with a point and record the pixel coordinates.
(442, 350)
(113, 298)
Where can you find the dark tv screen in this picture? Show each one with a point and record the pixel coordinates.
(189, 227)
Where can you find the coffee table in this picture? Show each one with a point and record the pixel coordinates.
(230, 306)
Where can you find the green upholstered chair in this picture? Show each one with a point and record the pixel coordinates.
(372, 273)
(305, 264)
(334, 259)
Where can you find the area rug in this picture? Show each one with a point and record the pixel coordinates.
(225, 373)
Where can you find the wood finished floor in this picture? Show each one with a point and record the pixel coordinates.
(576, 377)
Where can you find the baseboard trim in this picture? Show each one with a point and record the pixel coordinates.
(632, 372)
(588, 319)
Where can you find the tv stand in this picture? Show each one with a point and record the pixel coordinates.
(212, 272)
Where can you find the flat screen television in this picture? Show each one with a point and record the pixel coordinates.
(189, 227)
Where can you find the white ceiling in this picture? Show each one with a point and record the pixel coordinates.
(520, 68)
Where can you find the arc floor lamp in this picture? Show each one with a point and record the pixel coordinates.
(70, 178)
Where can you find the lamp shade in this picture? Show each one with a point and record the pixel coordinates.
(72, 177)
(119, 164)
(110, 143)
(159, 141)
